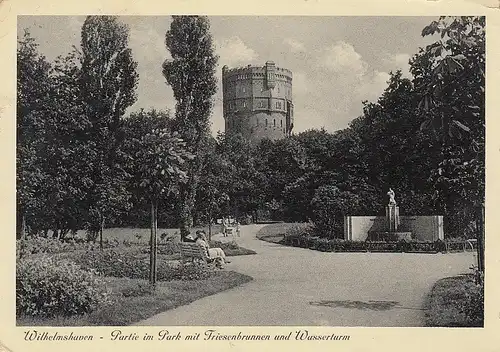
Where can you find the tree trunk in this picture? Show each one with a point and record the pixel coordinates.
(23, 227)
(480, 237)
(100, 232)
(209, 215)
(153, 243)
(55, 234)
(186, 213)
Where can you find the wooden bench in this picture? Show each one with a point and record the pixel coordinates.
(195, 253)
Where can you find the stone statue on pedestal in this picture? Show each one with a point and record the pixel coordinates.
(392, 201)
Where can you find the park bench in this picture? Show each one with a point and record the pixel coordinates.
(195, 253)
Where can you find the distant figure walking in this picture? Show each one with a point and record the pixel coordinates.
(224, 226)
(238, 228)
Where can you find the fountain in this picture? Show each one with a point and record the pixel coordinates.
(392, 226)
(391, 232)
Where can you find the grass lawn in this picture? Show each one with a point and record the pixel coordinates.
(444, 304)
(133, 300)
(275, 232)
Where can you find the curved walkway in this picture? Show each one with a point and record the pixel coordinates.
(295, 286)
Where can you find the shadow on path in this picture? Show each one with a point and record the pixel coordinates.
(370, 305)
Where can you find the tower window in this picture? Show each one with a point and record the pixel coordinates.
(281, 122)
(244, 104)
(266, 122)
(274, 122)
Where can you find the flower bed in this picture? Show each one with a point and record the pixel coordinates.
(47, 245)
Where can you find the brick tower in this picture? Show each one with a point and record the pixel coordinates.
(257, 101)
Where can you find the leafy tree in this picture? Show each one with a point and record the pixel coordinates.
(67, 152)
(108, 82)
(136, 126)
(33, 91)
(244, 189)
(389, 133)
(158, 164)
(51, 155)
(450, 79)
(215, 184)
(191, 74)
(283, 163)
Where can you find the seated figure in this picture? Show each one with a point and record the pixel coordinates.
(214, 253)
(189, 238)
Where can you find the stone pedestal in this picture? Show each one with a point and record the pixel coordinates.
(392, 216)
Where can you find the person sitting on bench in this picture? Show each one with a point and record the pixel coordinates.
(213, 253)
(189, 238)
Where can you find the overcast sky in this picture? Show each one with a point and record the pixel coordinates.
(337, 62)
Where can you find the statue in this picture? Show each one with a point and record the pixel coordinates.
(392, 201)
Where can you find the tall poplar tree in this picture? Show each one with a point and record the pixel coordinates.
(108, 84)
(191, 74)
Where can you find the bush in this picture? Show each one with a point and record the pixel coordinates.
(48, 245)
(48, 287)
(137, 290)
(166, 248)
(114, 263)
(39, 245)
(224, 245)
(119, 264)
(473, 305)
(298, 231)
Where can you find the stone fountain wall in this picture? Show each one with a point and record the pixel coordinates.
(423, 228)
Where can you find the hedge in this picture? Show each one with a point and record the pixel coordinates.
(340, 245)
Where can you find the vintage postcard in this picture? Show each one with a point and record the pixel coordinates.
(252, 176)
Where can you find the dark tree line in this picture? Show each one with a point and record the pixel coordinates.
(84, 164)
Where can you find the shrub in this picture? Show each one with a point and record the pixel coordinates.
(473, 304)
(114, 263)
(297, 231)
(224, 245)
(119, 264)
(168, 248)
(48, 245)
(137, 290)
(329, 205)
(47, 287)
(39, 245)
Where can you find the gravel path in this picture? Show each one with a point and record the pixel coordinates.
(295, 286)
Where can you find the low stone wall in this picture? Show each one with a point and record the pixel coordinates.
(423, 228)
